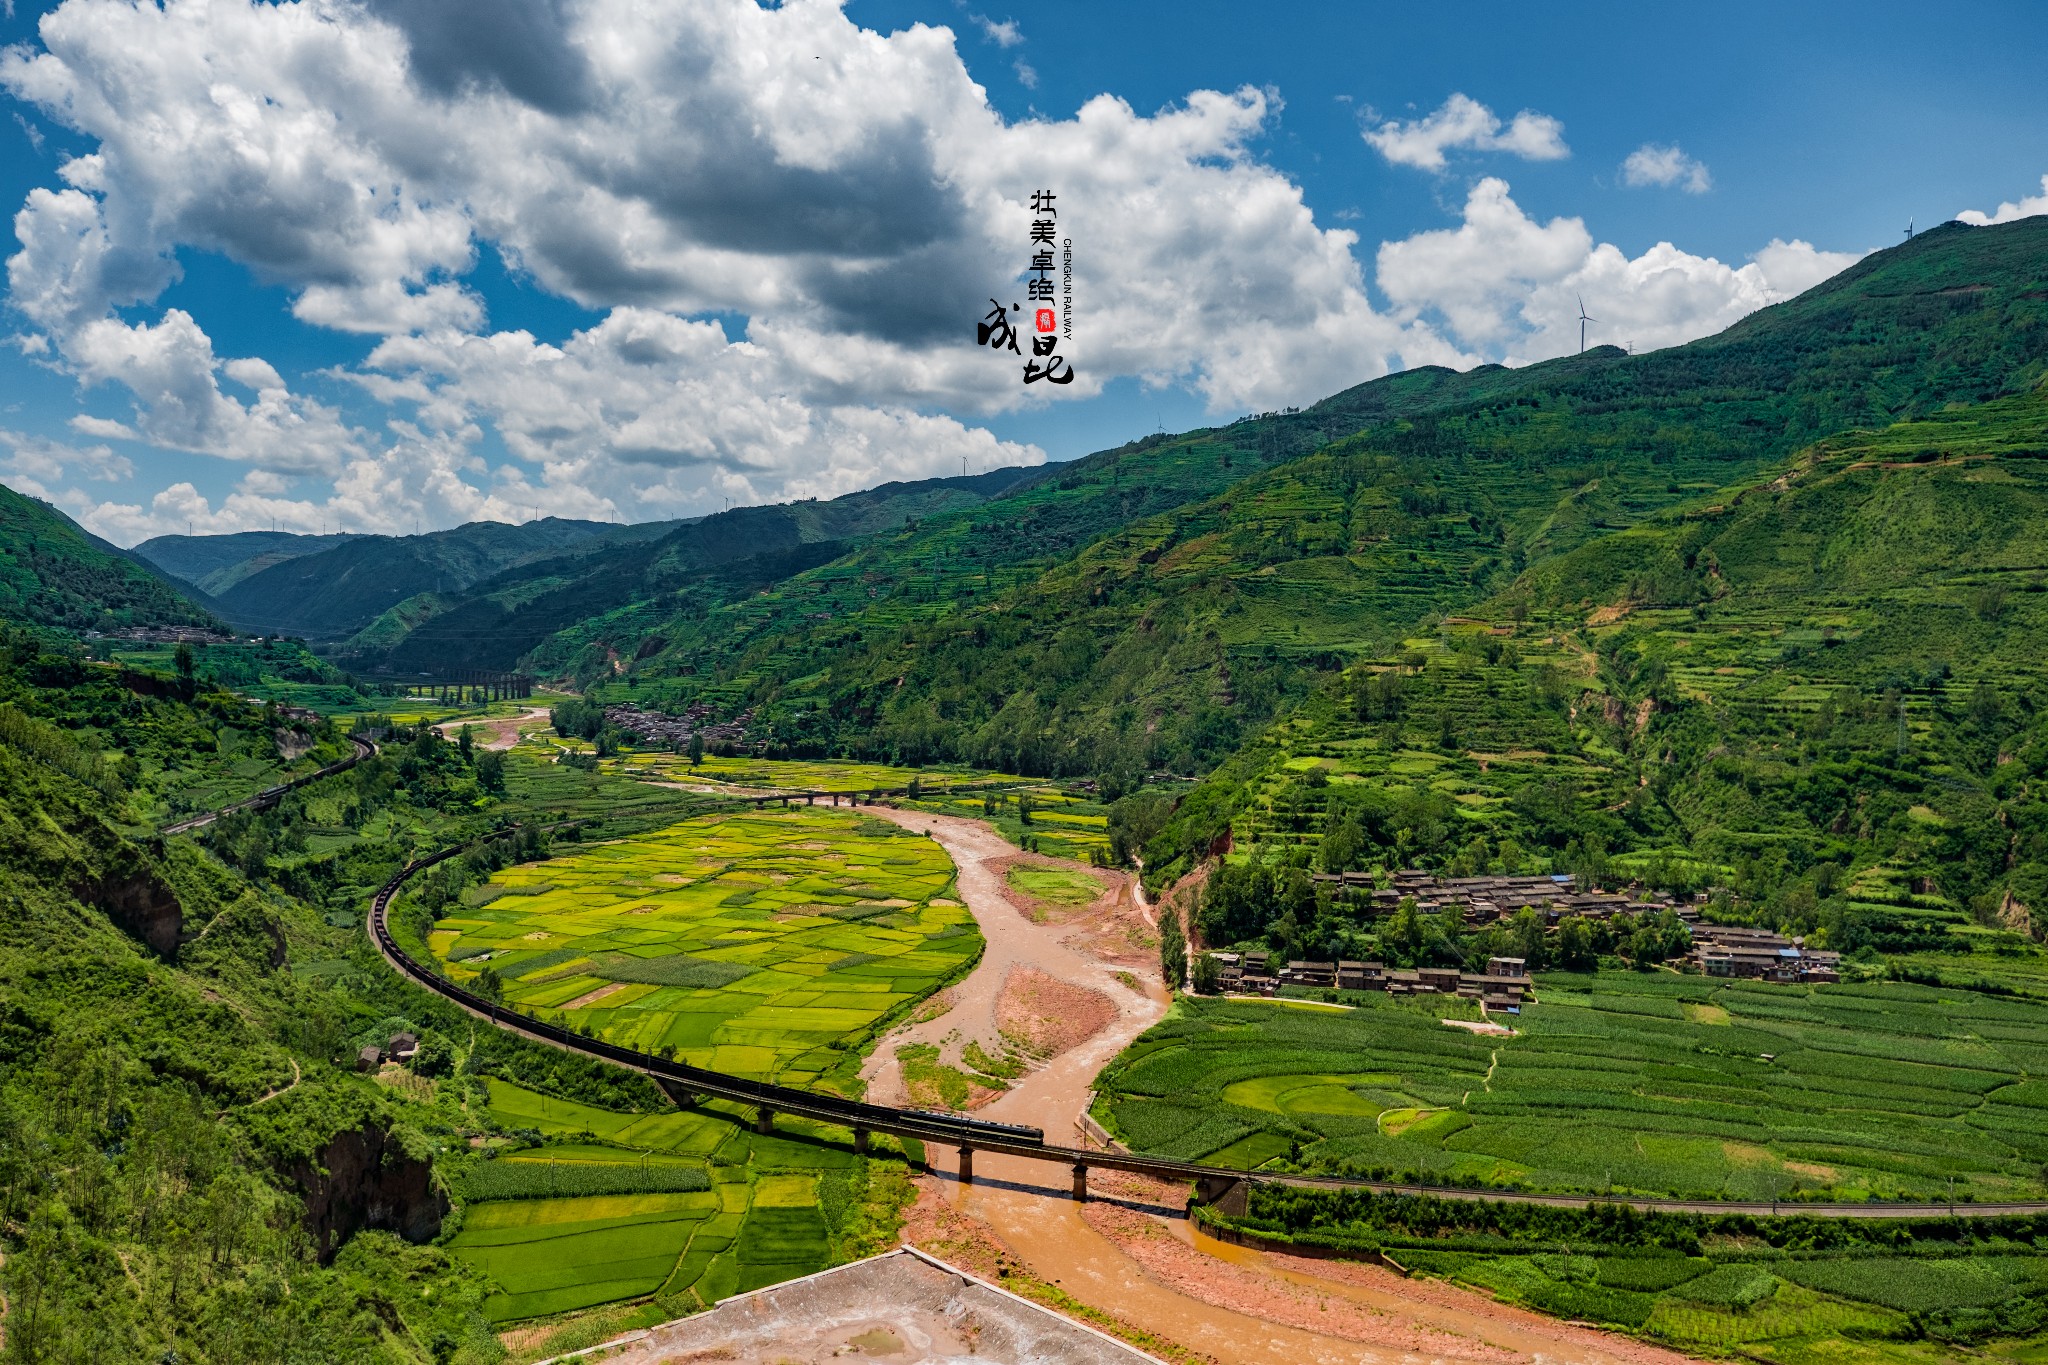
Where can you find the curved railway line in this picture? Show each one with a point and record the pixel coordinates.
(683, 1083)
(270, 796)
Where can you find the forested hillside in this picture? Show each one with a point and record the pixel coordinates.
(216, 563)
(639, 574)
(331, 593)
(190, 1167)
(1130, 613)
(54, 573)
(1821, 690)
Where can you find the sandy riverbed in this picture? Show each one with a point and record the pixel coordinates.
(1137, 1261)
(500, 733)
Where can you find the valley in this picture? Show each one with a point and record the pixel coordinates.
(968, 797)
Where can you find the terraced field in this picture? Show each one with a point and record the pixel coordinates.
(1652, 1084)
(765, 1209)
(770, 944)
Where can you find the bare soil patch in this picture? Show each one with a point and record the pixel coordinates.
(1046, 1016)
(1246, 1290)
(501, 732)
(592, 997)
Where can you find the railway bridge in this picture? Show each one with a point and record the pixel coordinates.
(1218, 1186)
(1222, 1187)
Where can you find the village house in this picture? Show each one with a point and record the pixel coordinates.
(1738, 951)
(1505, 983)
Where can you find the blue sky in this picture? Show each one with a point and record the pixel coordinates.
(251, 344)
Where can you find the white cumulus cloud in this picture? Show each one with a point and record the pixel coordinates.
(852, 195)
(1507, 285)
(1666, 167)
(1004, 34)
(171, 369)
(2027, 206)
(1464, 124)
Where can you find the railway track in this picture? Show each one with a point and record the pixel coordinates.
(682, 1082)
(270, 796)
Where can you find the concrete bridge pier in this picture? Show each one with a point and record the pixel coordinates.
(860, 1141)
(1227, 1194)
(967, 1165)
(1080, 1182)
(764, 1119)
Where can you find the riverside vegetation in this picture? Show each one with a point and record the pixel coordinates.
(1758, 618)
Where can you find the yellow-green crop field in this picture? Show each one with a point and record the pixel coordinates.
(769, 944)
(1063, 824)
(796, 775)
(768, 1214)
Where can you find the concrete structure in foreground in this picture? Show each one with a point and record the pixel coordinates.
(902, 1306)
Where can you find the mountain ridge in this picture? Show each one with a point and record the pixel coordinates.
(965, 639)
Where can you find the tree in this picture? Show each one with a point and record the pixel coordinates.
(181, 659)
(465, 742)
(489, 985)
(490, 772)
(1575, 949)
(1173, 948)
(1405, 936)
(1133, 823)
(434, 1056)
(1207, 975)
(696, 748)
(1343, 845)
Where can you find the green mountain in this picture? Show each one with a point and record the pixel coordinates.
(1154, 606)
(330, 594)
(1821, 688)
(641, 573)
(53, 572)
(216, 563)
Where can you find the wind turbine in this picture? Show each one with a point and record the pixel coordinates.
(1583, 320)
(1909, 229)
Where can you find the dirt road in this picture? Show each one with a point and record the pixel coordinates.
(1138, 1259)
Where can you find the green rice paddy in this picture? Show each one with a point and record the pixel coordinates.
(770, 944)
(1616, 1081)
(1054, 884)
(767, 1210)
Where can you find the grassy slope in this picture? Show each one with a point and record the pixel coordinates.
(1130, 612)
